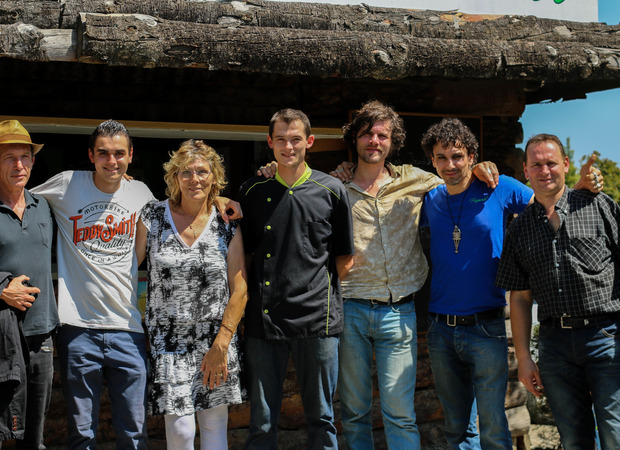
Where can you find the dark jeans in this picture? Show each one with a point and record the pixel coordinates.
(39, 390)
(316, 365)
(87, 358)
(581, 368)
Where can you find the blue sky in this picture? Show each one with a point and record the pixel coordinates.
(591, 123)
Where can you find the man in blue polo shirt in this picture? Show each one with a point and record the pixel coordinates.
(298, 236)
(467, 334)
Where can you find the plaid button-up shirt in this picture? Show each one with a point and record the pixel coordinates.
(572, 272)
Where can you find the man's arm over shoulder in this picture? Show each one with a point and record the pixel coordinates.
(517, 195)
(414, 176)
(53, 189)
(141, 189)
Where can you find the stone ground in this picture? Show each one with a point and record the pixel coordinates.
(542, 437)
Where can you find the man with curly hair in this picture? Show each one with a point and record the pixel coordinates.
(467, 334)
(379, 290)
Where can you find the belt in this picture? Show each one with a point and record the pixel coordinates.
(472, 319)
(372, 301)
(570, 322)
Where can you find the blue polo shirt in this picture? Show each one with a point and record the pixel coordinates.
(294, 234)
(26, 249)
(463, 283)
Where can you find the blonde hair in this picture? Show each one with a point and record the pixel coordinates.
(188, 152)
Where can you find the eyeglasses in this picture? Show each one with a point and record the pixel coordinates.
(201, 174)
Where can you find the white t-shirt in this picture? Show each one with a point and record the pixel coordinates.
(97, 265)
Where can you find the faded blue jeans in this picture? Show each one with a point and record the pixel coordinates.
(470, 367)
(316, 366)
(580, 368)
(391, 331)
(87, 357)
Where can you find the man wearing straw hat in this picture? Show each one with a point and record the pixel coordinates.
(26, 291)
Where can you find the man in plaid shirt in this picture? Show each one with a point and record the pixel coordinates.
(563, 251)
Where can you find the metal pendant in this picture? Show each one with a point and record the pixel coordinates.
(456, 238)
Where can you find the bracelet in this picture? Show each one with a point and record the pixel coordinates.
(229, 327)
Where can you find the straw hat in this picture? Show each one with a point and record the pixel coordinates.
(12, 132)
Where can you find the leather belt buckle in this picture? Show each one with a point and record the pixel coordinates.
(577, 322)
(451, 323)
(567, 327)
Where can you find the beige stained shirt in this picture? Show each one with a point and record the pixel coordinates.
(388, 254)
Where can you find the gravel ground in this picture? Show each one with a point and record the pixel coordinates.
(544, 437)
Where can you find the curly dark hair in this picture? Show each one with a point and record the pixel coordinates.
(363, 120)
(448, 132)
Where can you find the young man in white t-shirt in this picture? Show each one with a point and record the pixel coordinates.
(101, 337)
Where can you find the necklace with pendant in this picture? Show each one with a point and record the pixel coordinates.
(456, 232)
(190, 223)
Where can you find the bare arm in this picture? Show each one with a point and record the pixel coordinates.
(343, 265)
(141, 235)
(521, 323)
(214, 364)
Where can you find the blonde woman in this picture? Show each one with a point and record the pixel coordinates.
(196, 295)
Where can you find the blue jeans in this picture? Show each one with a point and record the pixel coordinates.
(316, 365)
(470, 367)
(580, 368)
(87, 357)
(39, 390)
(391, 331)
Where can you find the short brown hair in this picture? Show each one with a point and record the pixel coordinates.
(543, 137)
(287, 116)
(188, 152)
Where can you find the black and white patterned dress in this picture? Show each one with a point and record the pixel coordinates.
(187, 294)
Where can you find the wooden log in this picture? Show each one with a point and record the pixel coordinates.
(312, 16)
(39, 13)
(22, 41)
(144, 41)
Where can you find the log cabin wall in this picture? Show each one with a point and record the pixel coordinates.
(178, 95)
(237, 63)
